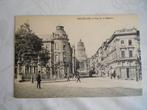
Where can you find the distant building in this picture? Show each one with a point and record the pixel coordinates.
(120, 53)
(81, 56)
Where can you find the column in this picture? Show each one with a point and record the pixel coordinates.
(18, 71)
(39, 68)
(24, 70)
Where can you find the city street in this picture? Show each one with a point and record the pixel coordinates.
(89, 87)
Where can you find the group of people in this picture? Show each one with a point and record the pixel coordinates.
(38, 78)
(107, 72)
(113, 74)
(76, 75)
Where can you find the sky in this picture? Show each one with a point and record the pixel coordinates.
(92, 30)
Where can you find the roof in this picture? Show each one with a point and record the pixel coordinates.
(60, 33)
(124, 32)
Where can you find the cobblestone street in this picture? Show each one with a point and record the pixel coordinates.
(89, 87)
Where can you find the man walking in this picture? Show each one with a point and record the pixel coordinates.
(68, 77)
(38, 80)
(78, 77)
(32, 78)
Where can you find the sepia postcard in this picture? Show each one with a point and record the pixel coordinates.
(77, 56)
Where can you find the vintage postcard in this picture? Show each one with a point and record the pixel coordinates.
(77, 56)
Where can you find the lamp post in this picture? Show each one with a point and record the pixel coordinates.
(39, 64)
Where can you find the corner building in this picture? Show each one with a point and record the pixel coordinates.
(60, 53)
(121, 53)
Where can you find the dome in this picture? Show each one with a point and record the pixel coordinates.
(80, 43)
(81, 53)
(60, 33)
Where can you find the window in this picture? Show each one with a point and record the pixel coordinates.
(63, 47)
(130, 53)
(130, 42)
(123, 54)
(56, 58)
(123, 62)
(56, 46)
(122, 41)
(102, 59)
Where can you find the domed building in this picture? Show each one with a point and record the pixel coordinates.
(60, 34)
(60, 53)
(81, 52)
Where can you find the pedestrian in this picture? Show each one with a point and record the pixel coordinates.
(78, 77)
(75, 75)
(32, 78)
(68, 77)
(38, 80)
(118, 77)
(111, 72)
(114, 74)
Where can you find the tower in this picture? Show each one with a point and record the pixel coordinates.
(81, 56)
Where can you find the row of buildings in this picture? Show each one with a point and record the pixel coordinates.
(118, 56)
(56, 60)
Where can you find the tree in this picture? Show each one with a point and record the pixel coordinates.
(26, 42)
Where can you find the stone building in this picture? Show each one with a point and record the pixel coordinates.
(60, 53)
(81, 57)
(120, 53)
(54, 61)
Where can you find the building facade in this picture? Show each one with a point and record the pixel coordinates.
(119, 55)
(60, 53)
(55, 60)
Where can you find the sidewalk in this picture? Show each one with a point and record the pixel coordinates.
(102, 83)
(93, 82)
(89, 87)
